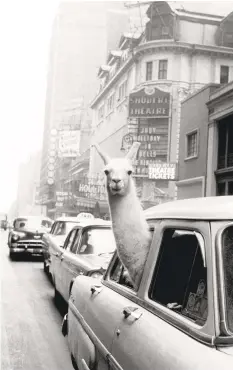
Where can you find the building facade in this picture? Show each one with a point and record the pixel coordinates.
(27, 202)
(71, 85)
(206, 154)
(143, 84)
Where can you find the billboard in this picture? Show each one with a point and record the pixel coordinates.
(162, 171)
(148, 123)
(68, 143)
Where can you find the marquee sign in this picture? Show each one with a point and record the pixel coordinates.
(149, 102)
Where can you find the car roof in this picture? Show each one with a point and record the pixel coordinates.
(94, 222)
(206, 208)
(67, 219)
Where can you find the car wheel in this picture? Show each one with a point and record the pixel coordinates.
(45, 268)
(12, 256)
(57, 296)
(75, 366)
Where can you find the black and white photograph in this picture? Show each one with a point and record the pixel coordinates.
(116, 190)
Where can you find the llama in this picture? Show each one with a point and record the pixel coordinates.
(129, 225)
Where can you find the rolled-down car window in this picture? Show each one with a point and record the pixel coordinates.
(98, 241)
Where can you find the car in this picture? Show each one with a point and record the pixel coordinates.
(26, 235)
(54, 240)
(181, 317)
(87, 251)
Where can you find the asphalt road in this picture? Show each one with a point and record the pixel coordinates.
(31, 336)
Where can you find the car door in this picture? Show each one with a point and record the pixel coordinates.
(58, 262)
(173, 313)
(69, 264)
(99, 320)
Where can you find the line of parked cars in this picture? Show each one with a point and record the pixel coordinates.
(180, 318)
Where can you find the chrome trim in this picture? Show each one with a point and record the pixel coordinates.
(97, 343)
(221, 283)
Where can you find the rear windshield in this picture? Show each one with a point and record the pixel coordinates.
(98, 241)
(63, 227)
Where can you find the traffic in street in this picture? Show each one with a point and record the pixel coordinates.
(31, 323)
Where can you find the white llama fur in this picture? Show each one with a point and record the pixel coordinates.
(129, 225)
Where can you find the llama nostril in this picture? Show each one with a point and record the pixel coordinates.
(116, 180)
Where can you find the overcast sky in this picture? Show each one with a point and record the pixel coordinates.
(25, 30)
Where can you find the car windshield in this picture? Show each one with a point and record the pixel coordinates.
(32, 223)
(64, 227)
(98, 241)
(227, 251)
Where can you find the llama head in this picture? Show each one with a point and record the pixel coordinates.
(119, 171)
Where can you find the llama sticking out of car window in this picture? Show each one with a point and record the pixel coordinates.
(129, 224)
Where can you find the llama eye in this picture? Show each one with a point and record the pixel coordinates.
(129, 172)
(106, 172)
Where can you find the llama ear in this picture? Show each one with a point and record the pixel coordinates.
(133, 151)
(103, 155)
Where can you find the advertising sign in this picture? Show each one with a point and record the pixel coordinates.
(149, 102)
(162, 171)
(92, 187)
(68, 143)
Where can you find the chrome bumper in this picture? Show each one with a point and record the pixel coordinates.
(27, 246)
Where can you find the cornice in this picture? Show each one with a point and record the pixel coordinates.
(151, 47)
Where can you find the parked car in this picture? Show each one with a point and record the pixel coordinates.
(87, 251)
(53, 242)
(26, 235)
(181, 317)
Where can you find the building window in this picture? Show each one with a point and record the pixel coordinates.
(110, 103)
(179, 282)
(162, 70)
(224, 74)
(191, 145)
(101, 113)
(122, 91)
(149, 70)
(225, 138)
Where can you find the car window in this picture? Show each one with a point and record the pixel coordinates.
(19, 223)
(120, 275)
(97, 241)
(69, 240)
(180, 277)
(63, 227)
(75, 243)
(227, 252)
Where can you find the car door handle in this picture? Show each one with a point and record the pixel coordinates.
(132, 311)
(96, 289)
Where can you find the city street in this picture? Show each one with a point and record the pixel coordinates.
(31, 335)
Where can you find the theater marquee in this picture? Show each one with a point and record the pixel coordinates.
(149, 102)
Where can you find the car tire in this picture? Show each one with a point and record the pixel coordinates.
(12, 256)
(57, 296)
(45, 268)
